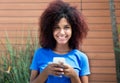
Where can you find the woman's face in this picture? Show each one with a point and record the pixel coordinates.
(62, 32)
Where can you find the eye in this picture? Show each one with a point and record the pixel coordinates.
(56, 28)
(67, 27)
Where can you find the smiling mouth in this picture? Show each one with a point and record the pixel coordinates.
(62, 38)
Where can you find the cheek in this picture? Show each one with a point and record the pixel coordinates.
(70, 32)
(54, 34)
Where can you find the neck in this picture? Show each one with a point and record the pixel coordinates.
(62, 49)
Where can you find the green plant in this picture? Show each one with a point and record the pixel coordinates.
(118, 44)
(16, 60)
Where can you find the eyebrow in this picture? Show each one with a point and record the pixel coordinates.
(64, 25)
(67, 25)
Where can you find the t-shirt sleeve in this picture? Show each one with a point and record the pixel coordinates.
(34, 64)
(85, 69)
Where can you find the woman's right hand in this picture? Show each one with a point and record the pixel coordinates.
(54, 69)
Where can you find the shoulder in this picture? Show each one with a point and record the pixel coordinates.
(80, 54)
(40, 50)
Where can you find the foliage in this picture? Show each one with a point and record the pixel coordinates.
(118, 44)
(15, 62)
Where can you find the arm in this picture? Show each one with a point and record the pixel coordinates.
(70, 72)
(36, 77)
(75, 79)
(42, 77)
(85, 69)
(84, 79)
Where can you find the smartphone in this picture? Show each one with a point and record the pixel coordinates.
(59, 60)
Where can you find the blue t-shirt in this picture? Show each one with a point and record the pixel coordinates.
(75, 58)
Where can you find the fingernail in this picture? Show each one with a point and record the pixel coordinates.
(61, 69)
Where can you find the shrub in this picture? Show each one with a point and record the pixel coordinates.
(15, 61)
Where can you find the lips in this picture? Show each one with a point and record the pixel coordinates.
(62, 37)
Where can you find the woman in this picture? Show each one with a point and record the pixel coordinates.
(62, 29)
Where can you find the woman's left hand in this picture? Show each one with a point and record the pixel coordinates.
(69, 71)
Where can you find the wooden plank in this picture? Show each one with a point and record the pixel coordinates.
(99, 34)
(102, 56)
(117, 5)
(117, 0)
(18, 40)
(29, 6)
(94, 41)
(33, 1)
(43, 1)
(117, 12)
(103, 78)
(99, 20)
(18, 20)
(19, 27)
(101, 82)
(99, 27)
(98, 48)
(98, 1)
(17, 33)
(95, 6)
(103, 70)
(20, 13)
(118, 19)
(96, 13)
(102, 63)
(23, 6)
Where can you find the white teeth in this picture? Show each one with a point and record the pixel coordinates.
(61, 37)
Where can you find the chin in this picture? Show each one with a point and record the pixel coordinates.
(62, 43)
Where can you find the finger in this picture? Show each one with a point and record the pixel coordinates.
(58, 73)
(61, 62)
(66, 70)
(58, 65)
(55, 65)
(58, 69)
(66, 66)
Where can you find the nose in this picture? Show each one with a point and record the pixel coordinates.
(62, 31)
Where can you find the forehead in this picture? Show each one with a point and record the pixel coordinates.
(63, 21)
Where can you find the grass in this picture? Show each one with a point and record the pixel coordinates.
(16, 60)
